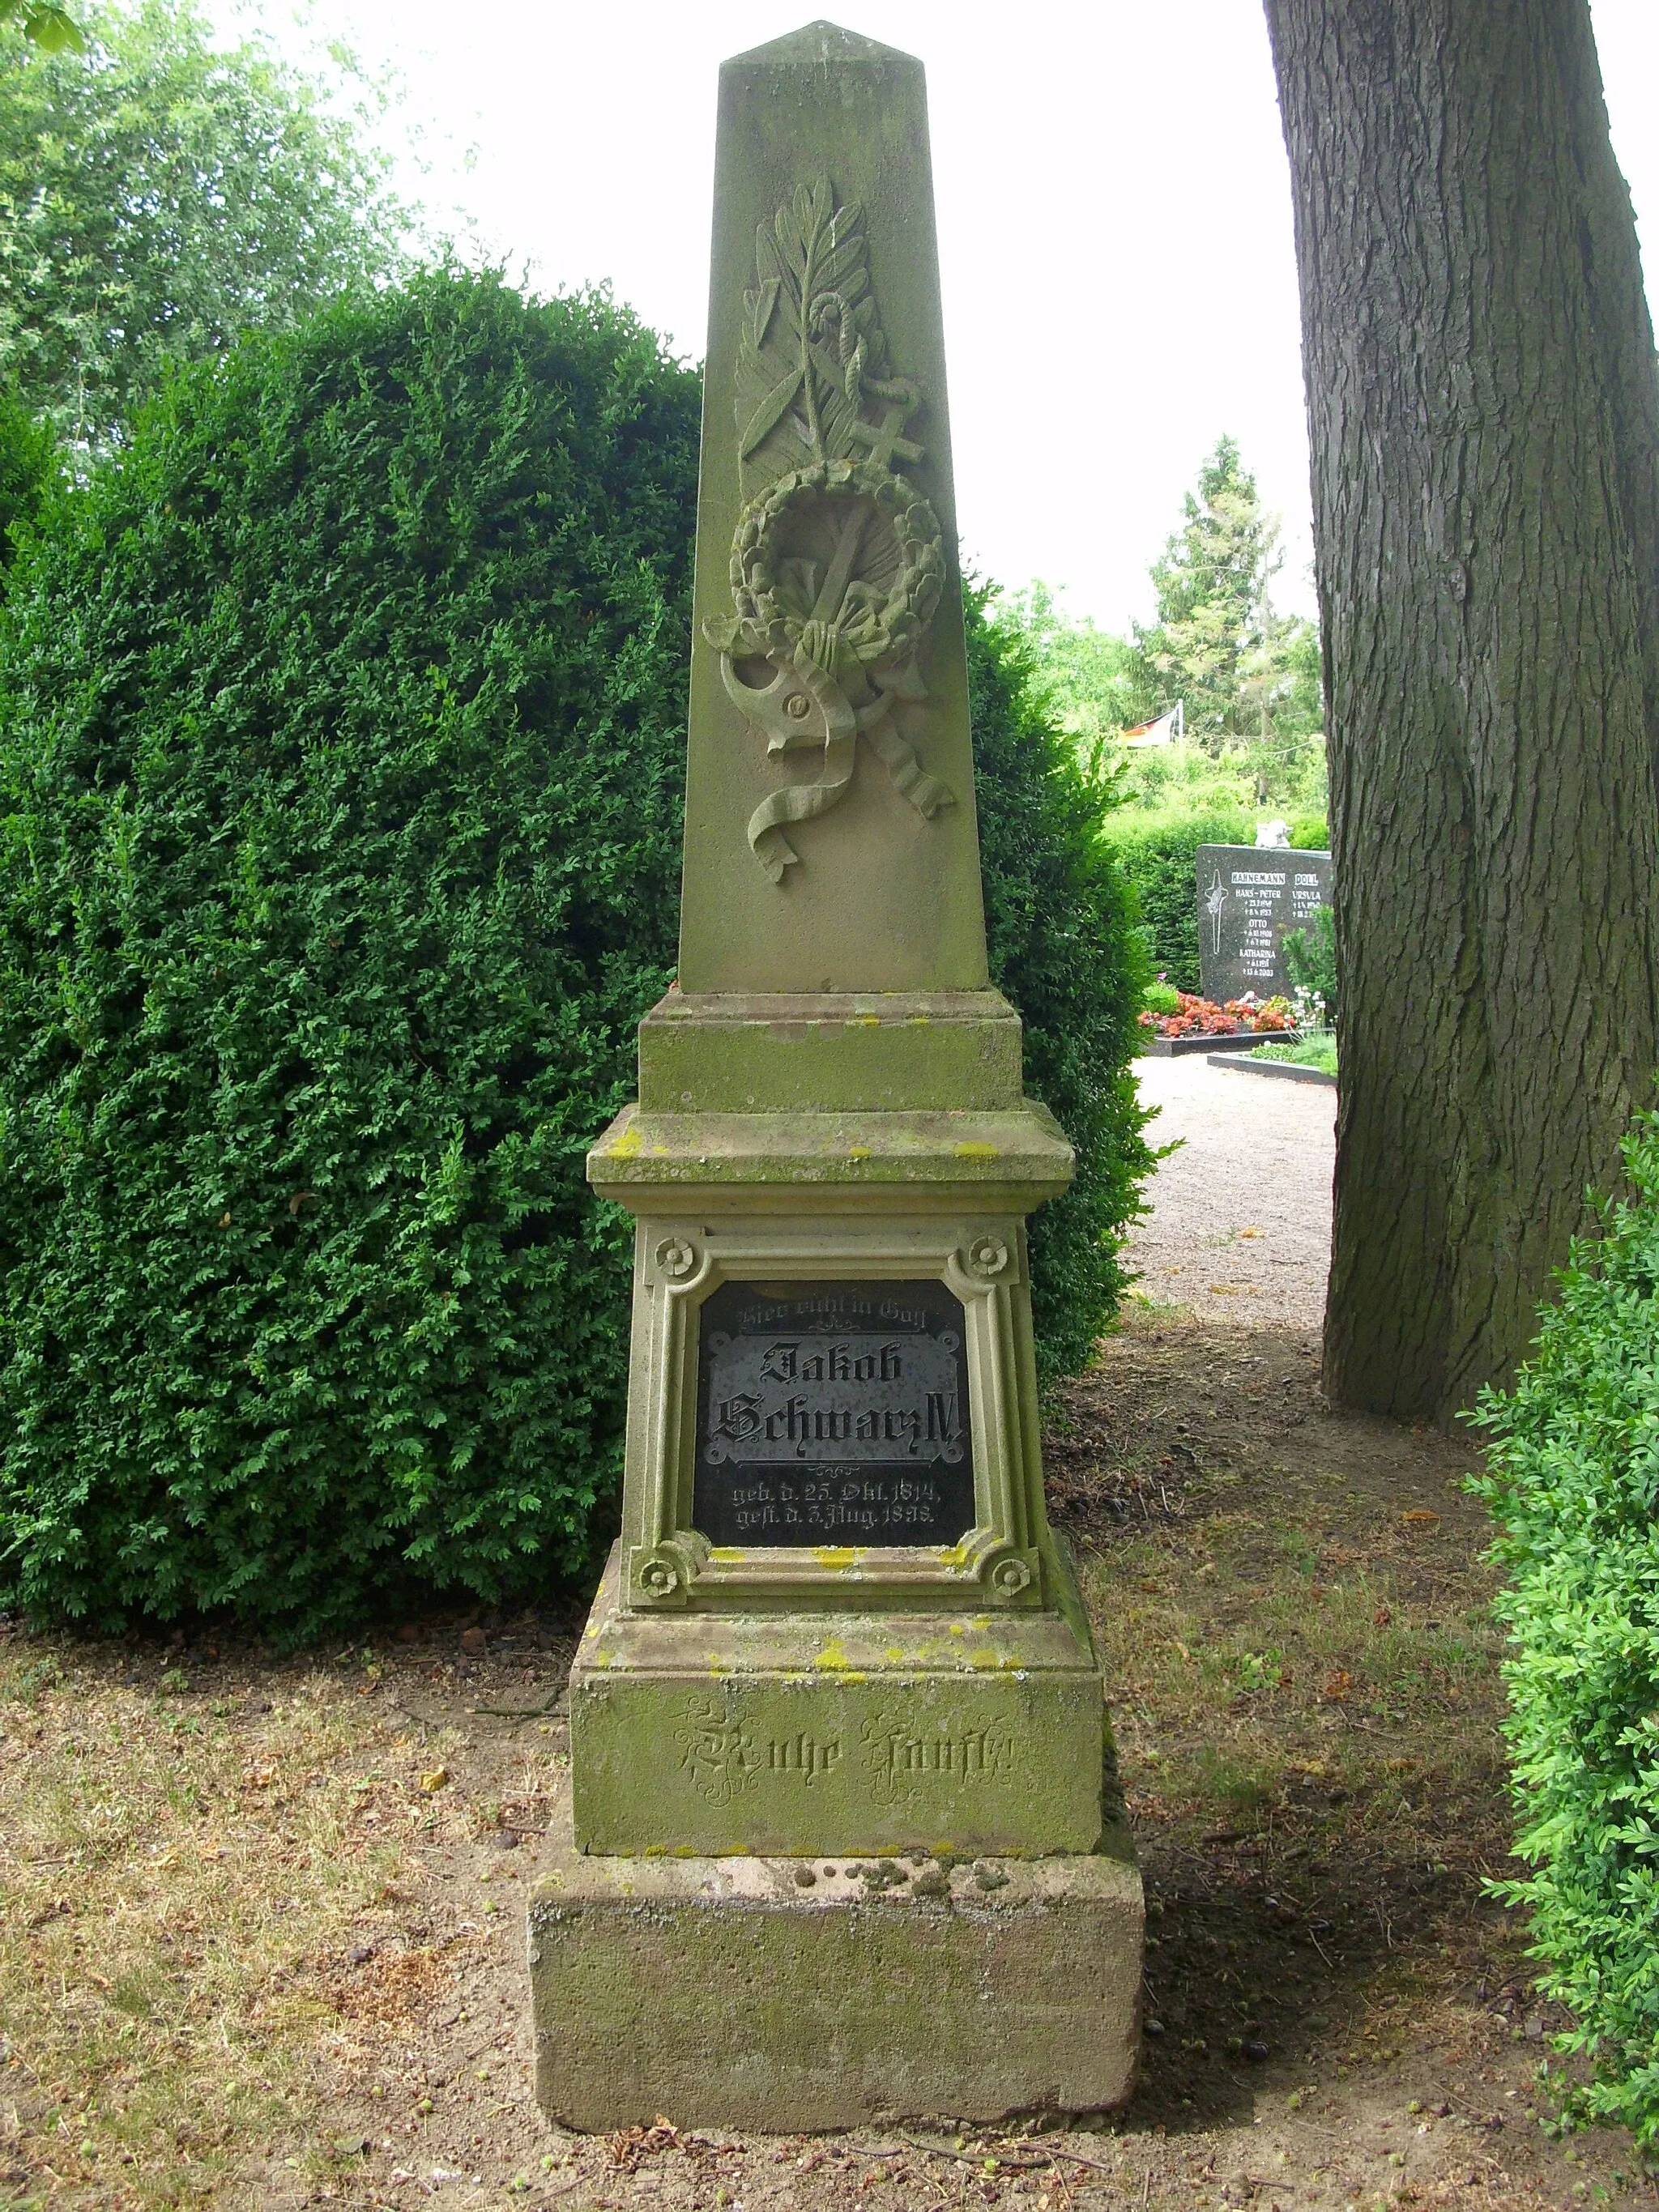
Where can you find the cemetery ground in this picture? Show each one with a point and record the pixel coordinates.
(262, 1939)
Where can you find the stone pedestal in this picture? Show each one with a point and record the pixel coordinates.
(847, 1731)
(793, 1994)
(841, 1644)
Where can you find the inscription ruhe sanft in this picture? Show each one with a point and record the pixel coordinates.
(1249, 899)
(722, 1756)
(833, 1414)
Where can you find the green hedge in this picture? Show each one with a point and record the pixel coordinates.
(1574, 1486)
(1156, 853)
(28, 471)
(339, 780)
(341, 728)
(1066, 947)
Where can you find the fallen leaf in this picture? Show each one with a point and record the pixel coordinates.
(434, 1778)
(1339, 1684)
(1422, 1517)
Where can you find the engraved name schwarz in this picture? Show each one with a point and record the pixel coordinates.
(723, 1755)
(857, 1397)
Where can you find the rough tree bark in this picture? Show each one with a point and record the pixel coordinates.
(1483, 408)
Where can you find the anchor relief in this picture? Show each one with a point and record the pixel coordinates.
(837, 562)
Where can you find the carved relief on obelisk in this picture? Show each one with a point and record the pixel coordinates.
(838, 561)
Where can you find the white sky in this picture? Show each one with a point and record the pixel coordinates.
(1114, 208)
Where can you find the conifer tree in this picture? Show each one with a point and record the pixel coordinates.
(1218, 645)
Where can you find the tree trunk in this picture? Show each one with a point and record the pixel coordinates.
(1483, 409)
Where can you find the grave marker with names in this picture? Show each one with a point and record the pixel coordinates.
(1250, 898)
(833, 1413)
(836, 1624)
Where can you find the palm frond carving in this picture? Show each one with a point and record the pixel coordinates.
(813, 356)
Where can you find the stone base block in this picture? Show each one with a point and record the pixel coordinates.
(789, 1995)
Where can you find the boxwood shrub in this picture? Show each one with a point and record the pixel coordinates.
(1573, 1482)
(342, 726)
(28, 471)
(1157, 852)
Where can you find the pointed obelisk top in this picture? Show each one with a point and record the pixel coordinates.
(831, 840)
(820, 42)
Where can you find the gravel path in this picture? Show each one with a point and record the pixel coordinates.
(1240, 1219)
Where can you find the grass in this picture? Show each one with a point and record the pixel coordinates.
(1317, 1050)
(1338, 1680)
(178, 1885)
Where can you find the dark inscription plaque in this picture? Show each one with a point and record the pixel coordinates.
(833, 1414)
(1249, 899)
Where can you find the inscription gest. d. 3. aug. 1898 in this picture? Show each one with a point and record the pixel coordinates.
(833, 1414)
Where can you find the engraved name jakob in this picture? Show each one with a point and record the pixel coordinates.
(833, 1414)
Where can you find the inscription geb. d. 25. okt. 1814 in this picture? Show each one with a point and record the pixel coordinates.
(833, 1414)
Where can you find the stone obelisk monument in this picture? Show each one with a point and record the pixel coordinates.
(840, 1841)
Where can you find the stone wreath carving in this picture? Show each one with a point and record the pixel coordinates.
(837, 562)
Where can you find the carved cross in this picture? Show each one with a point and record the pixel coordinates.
(885, 442)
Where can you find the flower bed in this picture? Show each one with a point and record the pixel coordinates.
(1196, 1016)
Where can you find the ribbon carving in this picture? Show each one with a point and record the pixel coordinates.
(837, 562)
